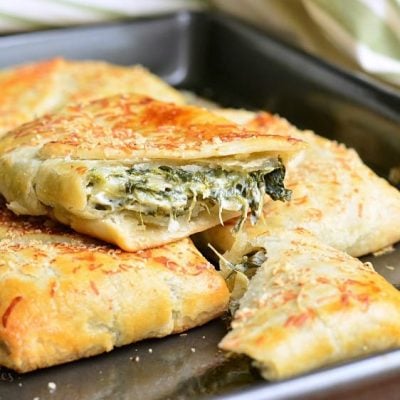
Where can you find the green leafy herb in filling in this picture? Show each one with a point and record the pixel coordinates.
(173, 191)
(248, 264)
(237, 274)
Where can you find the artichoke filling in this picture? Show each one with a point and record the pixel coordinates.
(249, 263)
(168, 192)
(237, 274)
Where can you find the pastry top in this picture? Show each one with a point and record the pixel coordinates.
(132, 127)
(30, 91)
(90, 80)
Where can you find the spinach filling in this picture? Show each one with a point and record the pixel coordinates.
(173, 191)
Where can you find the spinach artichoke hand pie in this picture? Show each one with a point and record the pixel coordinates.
(139, 172)
(308, 305)
(64, 296)
(334, 195)
(29, 91)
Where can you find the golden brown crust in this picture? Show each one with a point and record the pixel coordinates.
(29, 91)
(89, 80)
(132, 127)
(64, 296)
(310, 305)
(334, 195)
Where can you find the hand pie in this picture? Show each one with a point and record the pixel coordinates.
(138, 172)
(65, 296)
(309, 305)
(30, 91)
(334, 195)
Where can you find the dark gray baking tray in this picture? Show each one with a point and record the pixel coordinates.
(237, 66)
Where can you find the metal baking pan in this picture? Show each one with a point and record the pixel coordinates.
(237, 66)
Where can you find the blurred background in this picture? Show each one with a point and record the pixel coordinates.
(361, 35)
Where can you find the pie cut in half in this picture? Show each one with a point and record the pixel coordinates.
(138, 172)
(64, 296)
(334, 195)
(308, 305)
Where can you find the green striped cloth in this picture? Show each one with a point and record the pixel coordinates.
(367, 30)
(363, 35)
(360, 34)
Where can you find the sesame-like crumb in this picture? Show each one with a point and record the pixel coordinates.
(183, 334)
(385, 250)
(150, 351)
(137, 358)
(193, 350)
(52, 387)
